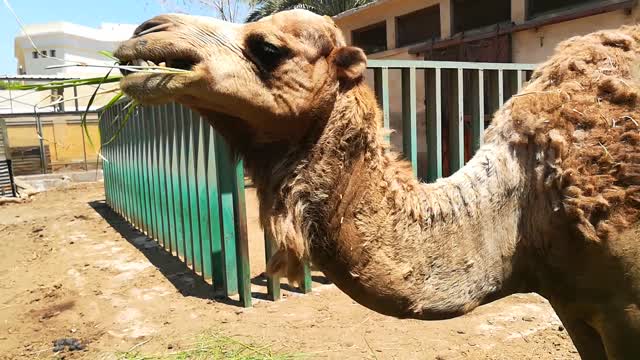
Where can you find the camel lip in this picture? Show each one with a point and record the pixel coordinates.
(152, 61)
(186, 63)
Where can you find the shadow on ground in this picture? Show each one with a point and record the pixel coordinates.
(183, 278)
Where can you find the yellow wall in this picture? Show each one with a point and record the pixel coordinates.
(62, 133)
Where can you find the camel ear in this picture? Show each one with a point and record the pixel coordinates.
(351, 62)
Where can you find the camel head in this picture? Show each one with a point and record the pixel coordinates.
(273, 78)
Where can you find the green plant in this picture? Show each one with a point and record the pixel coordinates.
(265, 8)
(97, 82)
(214, 346)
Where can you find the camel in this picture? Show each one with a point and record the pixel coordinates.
(549, 204)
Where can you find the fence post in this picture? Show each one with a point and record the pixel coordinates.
(477, 109)
(409, 117)
(43, 155)
(273, 282)
(381, 83)
(434, 123)
(226, 176)
(456, 121)
(242, 238)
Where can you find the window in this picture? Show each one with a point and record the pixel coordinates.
(35, 54)
(52, 53)
(540, 7)
(418, 26)
(371, 39)
(474, 14)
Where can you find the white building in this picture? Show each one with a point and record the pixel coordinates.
(61, 43)
(69, 42)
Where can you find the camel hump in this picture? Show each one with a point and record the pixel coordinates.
(581, 109)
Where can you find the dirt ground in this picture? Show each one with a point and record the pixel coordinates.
(69, 267)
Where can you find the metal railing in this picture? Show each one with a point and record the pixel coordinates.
(170, 175)
(471, 90)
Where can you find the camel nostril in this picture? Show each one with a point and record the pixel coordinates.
(150, 26)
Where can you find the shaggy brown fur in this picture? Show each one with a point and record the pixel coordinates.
(549, 203)
(581, 109)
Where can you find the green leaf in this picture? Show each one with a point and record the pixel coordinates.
(108, 54)
(83, 121)
(60, 84)
(132, 106)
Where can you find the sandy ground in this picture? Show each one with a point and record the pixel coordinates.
(69, 267)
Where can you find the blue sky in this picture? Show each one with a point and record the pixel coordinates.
(84, 12)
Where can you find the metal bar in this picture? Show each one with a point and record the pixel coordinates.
(477, 89)
(199, 195)
(194, 134)
(119, 168)
(109, 156)
(153, 157)
(43, 155)
(182, 208)
(457, 124)
(166, 231)
(10, 101)
(166, 169)
(148, 173)
(177, 187)
(84, 149)
(104, 151)
(203, 200)
(273, 282)
(228, 222)
(307, 284)
(157, 176)
(519, 80)
(381, 81)
(140, 180)
(242, 236)
(171, 176)
(75, 97)
(500, 88)
(123, 173)
(434, 123)
(115, 160)
(424, 64)
(215, 223)
(409, 118)
(127, 169)
(190, 189)
(184, 184)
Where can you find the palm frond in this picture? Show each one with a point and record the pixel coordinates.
(264, 8)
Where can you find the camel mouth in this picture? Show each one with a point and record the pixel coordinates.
(156, 65)
(155, 77)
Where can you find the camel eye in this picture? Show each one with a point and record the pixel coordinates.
(268, 54)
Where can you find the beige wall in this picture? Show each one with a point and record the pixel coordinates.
(535, 46)
(530, 46)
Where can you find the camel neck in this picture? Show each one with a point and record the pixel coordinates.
(406, 248)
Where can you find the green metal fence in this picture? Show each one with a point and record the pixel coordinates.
(170, 175)
(458, 101)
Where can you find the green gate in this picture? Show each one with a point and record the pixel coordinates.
(171, 176)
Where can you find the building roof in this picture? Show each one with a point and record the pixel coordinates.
(361, 8)
(106, 31)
